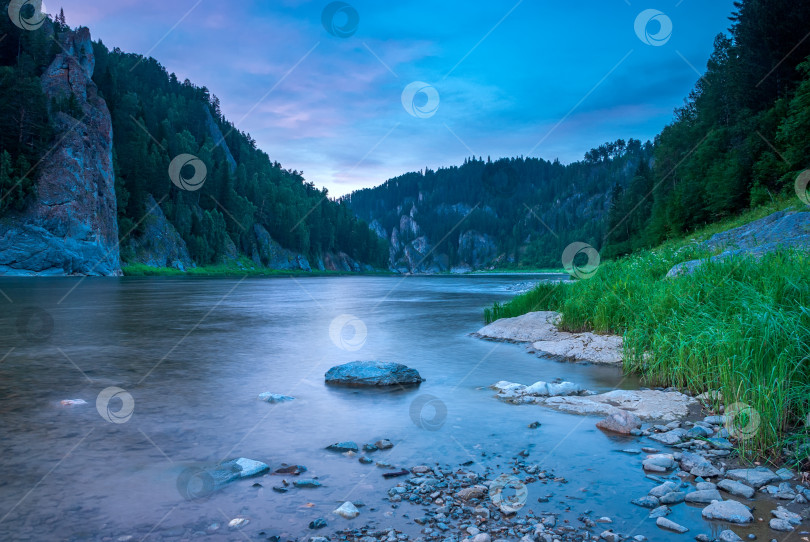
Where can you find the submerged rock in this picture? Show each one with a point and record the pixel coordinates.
(372, 373)
(274, 397)
(347, 446)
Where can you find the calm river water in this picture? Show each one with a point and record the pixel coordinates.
(193, 354)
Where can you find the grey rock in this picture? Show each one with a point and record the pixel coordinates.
(646, 502)
(660, 512)
(704, 496)
(730, 511)
(670, 437)
(372, 373)
(347, 446)
(729, 536)
(670, 525)
(783, 229)
(756, 477)
(697, 465)
(780, 525)
(659, 463)
(621, 421)
(784, 514)
(736, 488)
(663, 489)
(676, 497)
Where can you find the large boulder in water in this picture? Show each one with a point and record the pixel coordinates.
(372, 373)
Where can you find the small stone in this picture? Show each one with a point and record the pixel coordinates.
(347, 510)
(238, 523)
(780, 525)
(729, 536)
(307, 482)
(670, 525)
(533, 425)
(660, 512)
(365, 460)
(384, 444)
(319, 523)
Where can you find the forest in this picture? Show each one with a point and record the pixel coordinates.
(157, 117)
(739, 141)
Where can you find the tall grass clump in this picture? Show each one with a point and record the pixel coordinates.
(740, 326)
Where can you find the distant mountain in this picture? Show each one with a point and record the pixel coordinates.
(510, 213)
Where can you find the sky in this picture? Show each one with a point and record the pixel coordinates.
(354, 93)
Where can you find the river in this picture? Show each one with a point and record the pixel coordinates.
(193, 355)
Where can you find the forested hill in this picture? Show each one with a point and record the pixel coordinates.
(507, 213)
(87, 136)
(740, 140)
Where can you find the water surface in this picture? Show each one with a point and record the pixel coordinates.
(195, 353)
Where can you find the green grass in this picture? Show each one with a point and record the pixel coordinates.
(240, 268)
(741, 326)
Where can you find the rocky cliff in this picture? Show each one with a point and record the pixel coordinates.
(71, 226)
(159, 244)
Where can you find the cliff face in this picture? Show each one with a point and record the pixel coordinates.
(159, 244)
(71, 226)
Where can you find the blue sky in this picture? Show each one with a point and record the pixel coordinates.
(535, 77)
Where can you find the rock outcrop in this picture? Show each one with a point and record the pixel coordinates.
(159, 244)
(71, 227)
(784, 229)
(268, 253)
(540, 329)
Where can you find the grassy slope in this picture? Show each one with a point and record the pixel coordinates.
(741, 326)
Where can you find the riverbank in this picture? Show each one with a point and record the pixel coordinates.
(735, 327)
